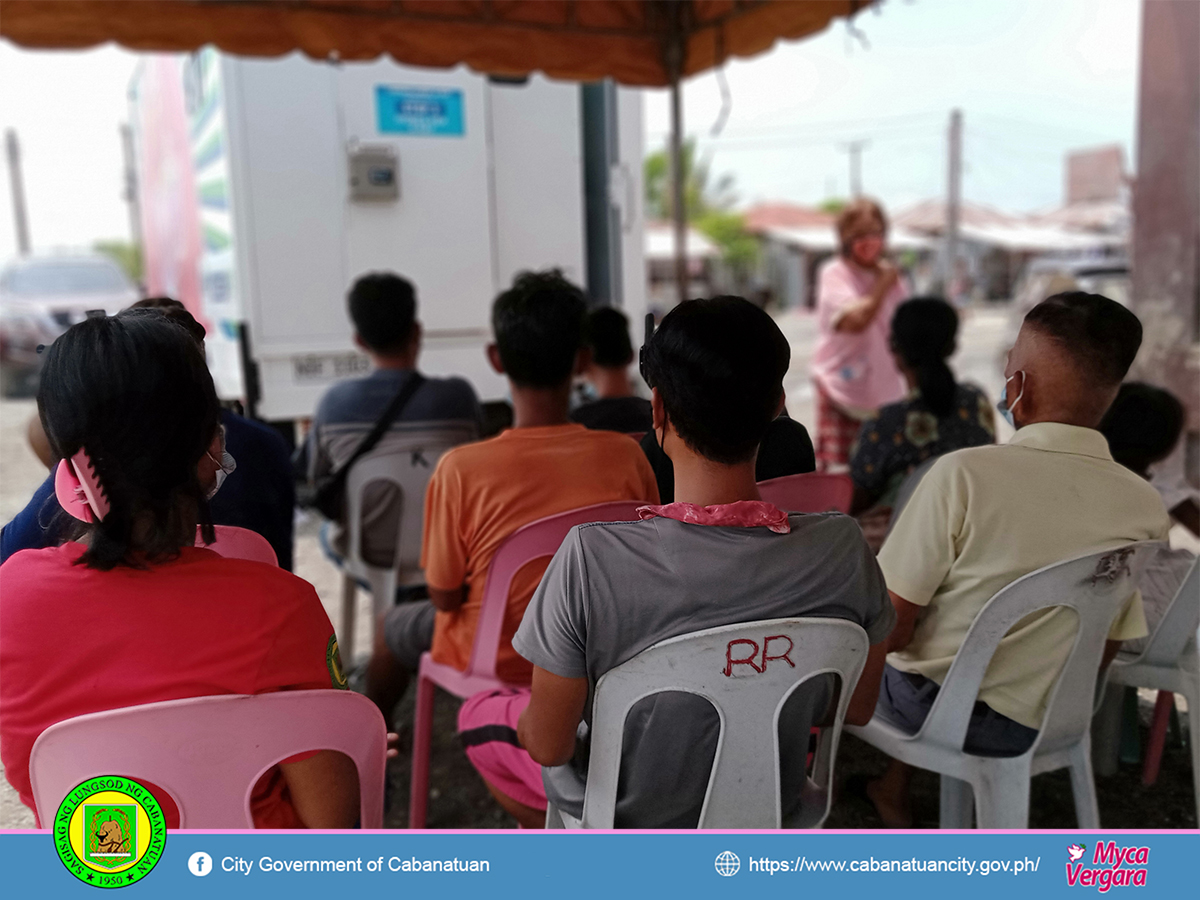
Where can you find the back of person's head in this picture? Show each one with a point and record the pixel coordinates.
(924, 330)
(718, 365)
(538, 323)
(176, 312)
(1100, 335)
(134, 392)
(1142, 425)
(857, 218)
(606, 334)
(383, 308)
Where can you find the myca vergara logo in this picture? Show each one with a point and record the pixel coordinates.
(1110, 866)
(109, 832)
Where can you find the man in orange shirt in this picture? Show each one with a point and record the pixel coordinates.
(481, 493)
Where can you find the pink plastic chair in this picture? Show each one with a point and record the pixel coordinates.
(809, 493)
(533, 541)
(240, 543)
(208, 752)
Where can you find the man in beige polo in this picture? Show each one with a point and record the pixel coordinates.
(983, 517)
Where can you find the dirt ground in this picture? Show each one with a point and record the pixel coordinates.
(458, 799)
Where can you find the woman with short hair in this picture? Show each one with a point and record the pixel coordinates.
(857, 292)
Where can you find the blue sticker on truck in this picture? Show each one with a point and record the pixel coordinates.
(417, 111)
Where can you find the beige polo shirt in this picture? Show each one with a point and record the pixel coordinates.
(983, 517)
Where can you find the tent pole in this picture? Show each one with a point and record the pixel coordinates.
(678, 201)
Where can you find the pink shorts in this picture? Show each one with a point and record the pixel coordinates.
(487, 725)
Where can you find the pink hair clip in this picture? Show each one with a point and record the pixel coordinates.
(78, 489)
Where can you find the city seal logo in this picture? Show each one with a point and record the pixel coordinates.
(109, 832)
(333, 662)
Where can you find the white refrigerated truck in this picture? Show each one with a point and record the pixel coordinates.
(267, 186)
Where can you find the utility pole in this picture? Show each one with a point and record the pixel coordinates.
(855, 149)
(953, 200)
(130, 194)
(17, 184)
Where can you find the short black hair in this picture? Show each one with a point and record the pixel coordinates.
(1142, 425)
(383, 307)
(133, 390)
(606, 334)
(538, 323)
(1100, 334)
(718, 365)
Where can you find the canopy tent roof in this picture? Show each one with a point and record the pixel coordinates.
(630, 41)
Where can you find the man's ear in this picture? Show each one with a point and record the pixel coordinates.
(657, 411)
(493, 356)
(418, 333)
(360, 343)
(779, 407)
(583, 361)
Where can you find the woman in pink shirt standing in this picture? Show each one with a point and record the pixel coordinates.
(853, 368)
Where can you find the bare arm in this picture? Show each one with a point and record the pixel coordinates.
(324, 790)
(906, 623)
(547, 727)
(447, 601)
(866, 693)
(857, 315)
(1110, 653)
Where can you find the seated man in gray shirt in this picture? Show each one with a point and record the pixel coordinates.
(383, 308)
(717, 556)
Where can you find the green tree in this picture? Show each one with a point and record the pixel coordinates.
(128, 256)
(709, 205)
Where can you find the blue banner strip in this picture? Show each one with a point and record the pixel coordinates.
(515, 864)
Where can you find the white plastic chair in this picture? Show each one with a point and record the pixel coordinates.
(1095, 586)
(408, 462)
(744, 786)
(1170, 662)
(208, 752)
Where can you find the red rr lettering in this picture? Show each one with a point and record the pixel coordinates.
(730, 662)
(784, 655)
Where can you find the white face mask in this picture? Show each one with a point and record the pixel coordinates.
(225, 467)
(1005, 407)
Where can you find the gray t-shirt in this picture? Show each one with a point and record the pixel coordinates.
(614, 589)
(346, 415)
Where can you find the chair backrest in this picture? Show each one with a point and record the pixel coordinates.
(240, 543)
(538, 539)
(1095, 586)
(1178, 624)
(809, 493)
(407, 461)
(208, 752)
(747, 671)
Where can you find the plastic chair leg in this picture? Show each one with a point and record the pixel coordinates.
(349, 607)
(1158, 737)
(957, 803)
(1002, 794)
(1083, 786)
(418, 797)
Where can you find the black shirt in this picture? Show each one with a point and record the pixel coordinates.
(627, 414)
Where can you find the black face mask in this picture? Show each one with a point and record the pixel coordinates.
(646, 343)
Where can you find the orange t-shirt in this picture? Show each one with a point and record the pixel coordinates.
(481, 493)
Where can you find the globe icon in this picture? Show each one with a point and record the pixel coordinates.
(727, 863)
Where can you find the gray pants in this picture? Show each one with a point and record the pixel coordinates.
(408, 631)
(905, 700)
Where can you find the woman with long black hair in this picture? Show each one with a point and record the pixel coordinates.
(937, 416)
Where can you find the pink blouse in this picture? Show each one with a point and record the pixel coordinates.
(856, 371)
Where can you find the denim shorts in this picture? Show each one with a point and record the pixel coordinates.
(905, 699)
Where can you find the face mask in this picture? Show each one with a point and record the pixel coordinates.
(1003, 406)
(225, 467)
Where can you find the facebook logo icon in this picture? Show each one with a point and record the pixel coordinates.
(200, 864)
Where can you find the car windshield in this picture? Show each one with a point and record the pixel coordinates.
(63, 277)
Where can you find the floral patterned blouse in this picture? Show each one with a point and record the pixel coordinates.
(903, 435)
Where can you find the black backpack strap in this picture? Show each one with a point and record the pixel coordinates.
(414, 382)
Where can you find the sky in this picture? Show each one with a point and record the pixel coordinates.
(1034, 79)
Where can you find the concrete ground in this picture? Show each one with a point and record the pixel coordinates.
(458, 798)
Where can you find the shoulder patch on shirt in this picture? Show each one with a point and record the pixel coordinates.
(333, 662)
